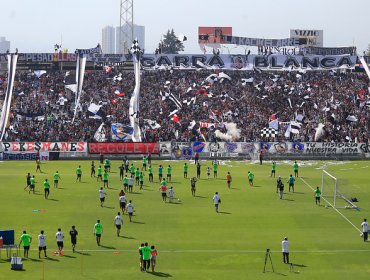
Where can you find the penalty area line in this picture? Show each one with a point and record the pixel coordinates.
(308, 185)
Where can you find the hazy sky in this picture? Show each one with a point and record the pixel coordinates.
(36, 25)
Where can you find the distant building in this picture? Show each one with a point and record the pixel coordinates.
(108, 40)
(139, 33)
(4, 45)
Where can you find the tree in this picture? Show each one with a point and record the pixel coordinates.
(170, 43)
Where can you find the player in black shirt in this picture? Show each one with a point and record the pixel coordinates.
(73, 233)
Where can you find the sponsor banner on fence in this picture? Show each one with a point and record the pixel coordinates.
(124, 148)
(181, 150)
(30, 147)
(19, 156)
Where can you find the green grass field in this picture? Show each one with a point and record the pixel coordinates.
(193, 241)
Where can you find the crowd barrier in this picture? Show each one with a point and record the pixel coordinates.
(184, 150)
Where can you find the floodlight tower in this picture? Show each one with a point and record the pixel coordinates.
(126, 24)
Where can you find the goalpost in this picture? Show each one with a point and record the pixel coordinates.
(331, 191)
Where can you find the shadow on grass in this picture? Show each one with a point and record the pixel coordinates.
(160, 274)
(109, 207)
(134, 193)
(299, 192)
(51, 259)
(235, 188)
(107, 247)
(256, 186)
(68, 256)
(127, 237)
(298, 265)
(137, 222)
(199, 196)
(223, 212)
(288, 199)
(82, 253)
(34, 260)
(53, 199)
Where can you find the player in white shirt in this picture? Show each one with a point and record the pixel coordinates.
(102, 195)
(59, 236)
(122, 203)
(171, 194)
(365, 229)
(130, 183)
(208, 171)
(42, 243)
(130, 209)
(285, 250)
(118, 222)
(216, 200)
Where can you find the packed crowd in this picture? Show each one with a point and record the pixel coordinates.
(43, 108)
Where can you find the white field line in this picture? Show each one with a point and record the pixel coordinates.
(216, 251)
(307, 184)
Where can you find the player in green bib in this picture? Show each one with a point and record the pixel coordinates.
(132, 170)
(26, 239)
(98, 231)
(169, 170)
(185, 170)
(100, 174)
(163, 182)
(160, 172)
(78, 173)
(105, 179)
(46, 188)
(144, 163)
(150, 172)
(250, 178)
(317, 195)
(146, 256)
(273, 169)
(295, 168)
(125, 183)
(56, 179)
(215, 169)
(141, 180)
(32, 184)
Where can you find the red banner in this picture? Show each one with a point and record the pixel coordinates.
(124, 148)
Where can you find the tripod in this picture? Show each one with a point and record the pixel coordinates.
(268, 256)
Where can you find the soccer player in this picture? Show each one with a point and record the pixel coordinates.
(273, 168)
(281, 189)
(149, 158)
(100, 174)
(365, 229)
(169, 170)
(208, 172)
(150, 172)
(317, 195)
(192, 184)
(130, 183)
(291, 182)
(146, 256)
(153, 257)
(185, 170)
(26, 239)
(108, 164)
(125, 183)
(106, 169)
(101, 158)
(160, 172)
(141, 180)
(118, 222)
(196, 158)
(228, 179)
(130, 210)
(42, 243)
(163, 189)
(171, 194)
(79, 173)
(198, 170)
(216, 200)
(285, 250)
(121, 169)
(215, 169)
(278, 182)
(59, 236)
(144, 163)
(46, 188)
(102, 195)
(38, 165)
(132, 170)
(105, 179)
(164, 182)
(122, 203)
(28, 181)
(56, 179)
(127, 164)
(98, 231)
(32, 184)
(92, 174)
(73, 233)
(141, 256)
(261, 156)
(250, 178)
(137, 175)
(295, 168)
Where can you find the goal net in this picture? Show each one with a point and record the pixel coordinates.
(336, 194)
